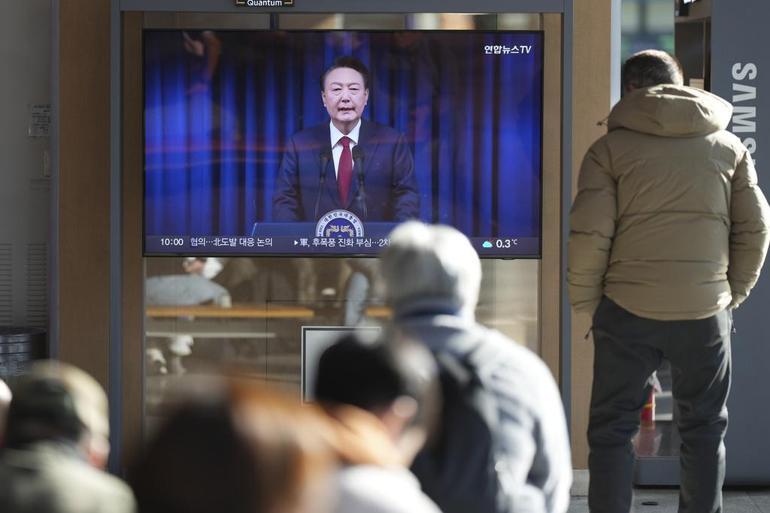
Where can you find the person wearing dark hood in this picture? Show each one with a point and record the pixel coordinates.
(502, 442)
(668, 234)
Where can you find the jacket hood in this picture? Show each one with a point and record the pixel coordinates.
(671, 111)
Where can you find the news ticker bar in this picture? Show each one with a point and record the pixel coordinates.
(211, 245)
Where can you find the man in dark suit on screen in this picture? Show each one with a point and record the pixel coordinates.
(349, 163)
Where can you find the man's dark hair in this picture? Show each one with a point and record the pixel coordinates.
(56, 401)
(42, 409)
(266, 449)
(372, 373)
(347, 61)
(650, 68)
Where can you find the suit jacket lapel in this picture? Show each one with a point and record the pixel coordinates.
(368, 145)
(330, 186)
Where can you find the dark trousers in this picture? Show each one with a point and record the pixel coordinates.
(628, 349)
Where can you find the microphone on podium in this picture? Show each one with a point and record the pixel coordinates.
(324, 156)
(358, 165)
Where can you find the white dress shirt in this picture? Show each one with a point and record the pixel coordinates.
(336, 135)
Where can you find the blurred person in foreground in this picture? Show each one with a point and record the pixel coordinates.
(668, 233)
(382, 396)
(56, 444)
(432, 278)
(5, 402)
(234, 447)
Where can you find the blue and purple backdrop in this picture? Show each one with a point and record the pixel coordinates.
(220, 105)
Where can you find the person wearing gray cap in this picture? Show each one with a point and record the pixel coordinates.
(521, 461)
(56, 444)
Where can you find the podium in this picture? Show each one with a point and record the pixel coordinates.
(297, 230)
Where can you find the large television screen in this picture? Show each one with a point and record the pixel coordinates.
(320, 142)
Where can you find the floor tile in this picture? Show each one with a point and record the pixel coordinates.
(652, 500)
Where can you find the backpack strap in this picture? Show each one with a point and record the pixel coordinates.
(470, 368)
(482, 356)
(478, 363)
(461, 371)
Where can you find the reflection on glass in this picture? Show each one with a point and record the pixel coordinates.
(646, 24)
(311, 21)
(374, 21)
(630, 18)
(519, 22)
(247, 313)
(206, 21)
(509, 299)
(658, 436)
(660, 17)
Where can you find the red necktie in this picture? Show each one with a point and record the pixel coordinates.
(345, 171)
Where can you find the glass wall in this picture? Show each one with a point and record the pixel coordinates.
(249, 316)
(646, 24)
(650, 24)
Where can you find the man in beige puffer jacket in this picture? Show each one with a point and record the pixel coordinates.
(668, 234)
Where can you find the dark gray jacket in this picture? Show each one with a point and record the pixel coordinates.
(50, 477)
(538, 470)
